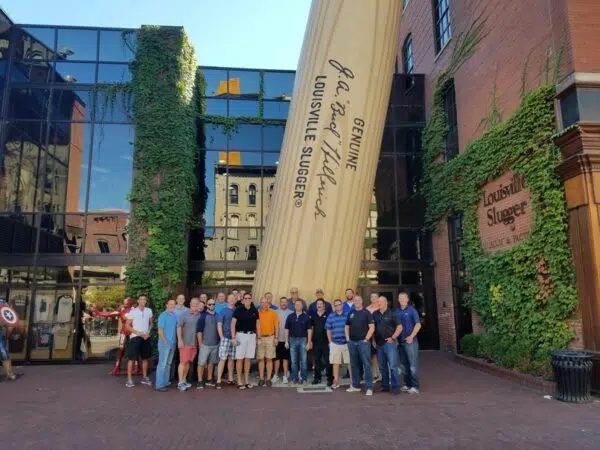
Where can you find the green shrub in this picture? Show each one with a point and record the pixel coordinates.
(469, 344)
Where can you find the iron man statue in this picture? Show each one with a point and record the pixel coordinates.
(123, 335)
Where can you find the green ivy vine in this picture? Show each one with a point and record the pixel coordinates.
(165, 111)
(524, 295)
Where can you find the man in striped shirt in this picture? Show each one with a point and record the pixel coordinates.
(338, 345)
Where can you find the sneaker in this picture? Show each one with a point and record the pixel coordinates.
(384, 389)
(369, 392)
(146, 381)
(284, 380)
(316, 381)
(210, 383)
(404, 389)
(200, 386)
(187, 385)
(261, 382)
(413, 390)
(219, 385)
(377, 378)
(329, 383)
(335, 386)
(269, 384)
(182, 387)
(162, 389)
(129, 384)
(352, 389)
(275, 379)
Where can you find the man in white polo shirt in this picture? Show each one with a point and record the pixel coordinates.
(139, 322)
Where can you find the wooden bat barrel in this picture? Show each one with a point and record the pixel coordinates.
(317, 219)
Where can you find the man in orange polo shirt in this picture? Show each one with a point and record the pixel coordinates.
(267, 340)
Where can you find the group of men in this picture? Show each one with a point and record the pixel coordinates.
(227, 332)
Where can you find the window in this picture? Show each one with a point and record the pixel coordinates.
(103, 246)
(252, 253)
(271, 192)
(234, 194)
(252, 195)
(232, 253)
(252, 232)
(407, 55)
(234, 222)
(441, 11)
(451, 149)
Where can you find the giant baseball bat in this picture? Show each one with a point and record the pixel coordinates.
(316, 224)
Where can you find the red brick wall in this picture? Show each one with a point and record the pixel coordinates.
(522, 36)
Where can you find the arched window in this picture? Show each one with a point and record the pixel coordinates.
(232, 229)
(233, 194)
(252, 195)
(252, 233)
(407, 55)
(232, 253)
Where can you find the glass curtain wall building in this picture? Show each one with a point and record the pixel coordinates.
(66, 157)
(65, 175)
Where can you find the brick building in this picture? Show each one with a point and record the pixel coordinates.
(526, 44)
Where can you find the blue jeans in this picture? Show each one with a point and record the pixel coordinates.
(409, 358)
(163, 368)
(387, 357)
(360, 355)
(298, 357)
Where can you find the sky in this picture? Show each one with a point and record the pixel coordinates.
(264, 34)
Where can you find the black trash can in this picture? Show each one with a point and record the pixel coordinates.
(573, 375)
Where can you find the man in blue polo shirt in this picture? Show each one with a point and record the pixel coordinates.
(167, 338)
(409, 344)
(226, 347)
(298, 338)
(338, 345)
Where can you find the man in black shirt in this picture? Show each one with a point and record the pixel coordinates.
(359, 330)
(243, 335)
(387, 330)
(298, 338)
(320, 343)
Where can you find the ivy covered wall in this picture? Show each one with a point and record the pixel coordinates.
(165, 111)
(524, 295)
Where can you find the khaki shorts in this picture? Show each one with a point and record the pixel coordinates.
(266, 347)
(338, 354)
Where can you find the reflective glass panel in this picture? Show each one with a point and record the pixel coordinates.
(72, 72)
(17, 233)
(106, 233)
(117, 45)
(76, 45)
(33, 71)
(113, 108)
(276, 110)
(279, 85)
(215, 181)
(245, 137)
(273, 137)
(99, 312)
(71, 105)
(216, 82)
(243, 108)
(30, 104)
(114, 73)
(383, 202)
(216, 107)
(214, 244)
(112, 167)
(41, 42)
(214, 137)
(61, 233)
(244, 83)
(20, 171)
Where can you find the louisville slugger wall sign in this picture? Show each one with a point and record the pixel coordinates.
(317, 221)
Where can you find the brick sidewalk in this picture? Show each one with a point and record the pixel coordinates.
(64, 407)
